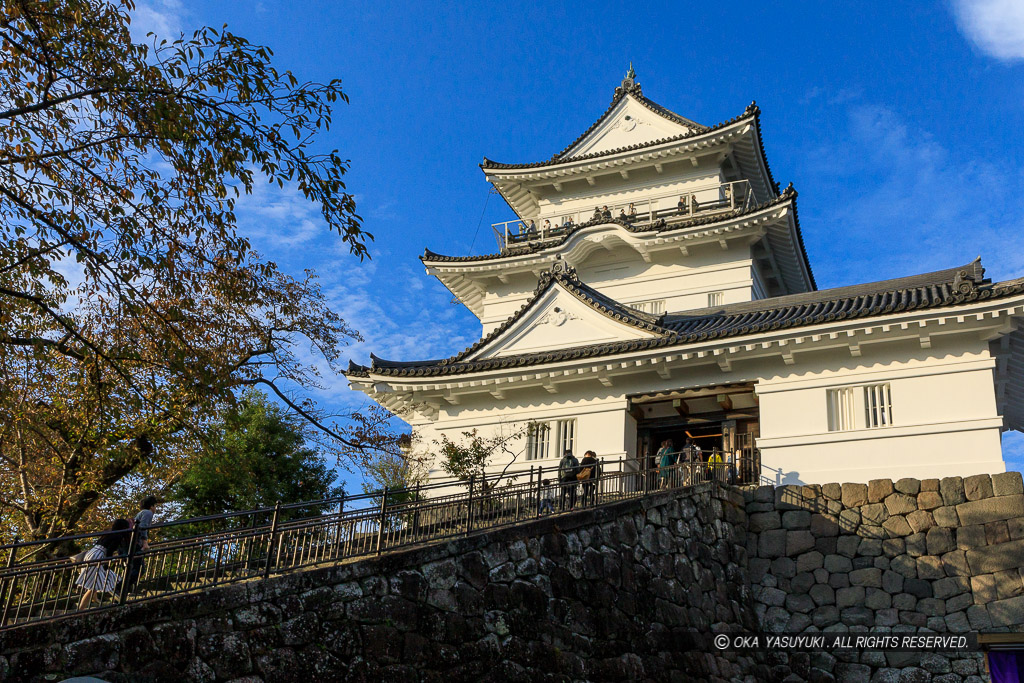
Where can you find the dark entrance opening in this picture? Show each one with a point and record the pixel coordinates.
(720, 420)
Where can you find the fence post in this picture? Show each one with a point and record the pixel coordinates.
(416, 512)
(13, 583)
(337, 540)
(383, 517)
(273, 538)
(469, 505)
(133, 539)
(540, 479)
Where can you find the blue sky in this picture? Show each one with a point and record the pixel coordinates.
(898, 123)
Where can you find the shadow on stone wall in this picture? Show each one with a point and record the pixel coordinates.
(605, 594)
(912, 556)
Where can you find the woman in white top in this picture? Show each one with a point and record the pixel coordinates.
(95, 578)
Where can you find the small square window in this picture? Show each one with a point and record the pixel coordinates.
(715, 299)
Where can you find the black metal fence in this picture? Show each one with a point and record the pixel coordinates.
(193, 554)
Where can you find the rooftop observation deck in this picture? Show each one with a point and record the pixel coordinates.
(674, 207)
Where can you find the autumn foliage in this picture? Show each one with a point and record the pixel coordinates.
(132, 308)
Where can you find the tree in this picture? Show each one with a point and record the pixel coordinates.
(255, 457)
(123, 162)
(469, 459)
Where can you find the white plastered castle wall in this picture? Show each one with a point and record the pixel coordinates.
(683, 283)
(945, 421)
(645, 188)
(600, 424)
(629, 123)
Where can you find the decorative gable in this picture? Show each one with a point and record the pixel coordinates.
(628, 123)
(556, 320)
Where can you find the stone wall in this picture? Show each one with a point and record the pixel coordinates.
(911, 556)
(598, 595)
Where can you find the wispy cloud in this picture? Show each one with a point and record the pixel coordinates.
(161, 17)
(397, 308)
(996, 27)
(894, 201)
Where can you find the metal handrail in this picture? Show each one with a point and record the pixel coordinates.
(265, 542)
(717, 197)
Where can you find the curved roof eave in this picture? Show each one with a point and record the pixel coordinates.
(431, 258)
(752, 111)
(939, 289)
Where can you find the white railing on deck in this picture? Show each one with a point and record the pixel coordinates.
(674, 206)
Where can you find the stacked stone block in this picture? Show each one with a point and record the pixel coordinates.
(911, 556)
(606, 594)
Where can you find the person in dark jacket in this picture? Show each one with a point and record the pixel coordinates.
(568, 468)
(590, 466)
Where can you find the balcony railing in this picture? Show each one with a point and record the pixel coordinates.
(673, 207)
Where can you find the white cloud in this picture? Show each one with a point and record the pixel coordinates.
(162, 17)
(400, 313)
(889, 200)
(996, 27)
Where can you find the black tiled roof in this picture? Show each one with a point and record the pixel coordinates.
(952, 287)
(657, 226)
(620, 94)
(751, 111)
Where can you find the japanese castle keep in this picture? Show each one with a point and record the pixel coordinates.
(655, 285)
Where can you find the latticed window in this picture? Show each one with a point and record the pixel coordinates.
(841, 412)
(537, 441)
(877, 406)
(715, 299)
(565, 439)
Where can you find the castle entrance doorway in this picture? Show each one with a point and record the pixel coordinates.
(718, 420)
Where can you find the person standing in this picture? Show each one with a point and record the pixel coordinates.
(715, 469)
(546, 504)
(142, 521)
(95, 578)
(592, 466)
(666, 460)
(568, 468)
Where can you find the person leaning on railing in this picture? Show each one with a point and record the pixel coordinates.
(590, 472)
(95, 578)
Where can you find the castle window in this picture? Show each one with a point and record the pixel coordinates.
(843, 408)
(537, 441)
(877, 406)
(715, 299)
(565, 439)
(841, 412)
